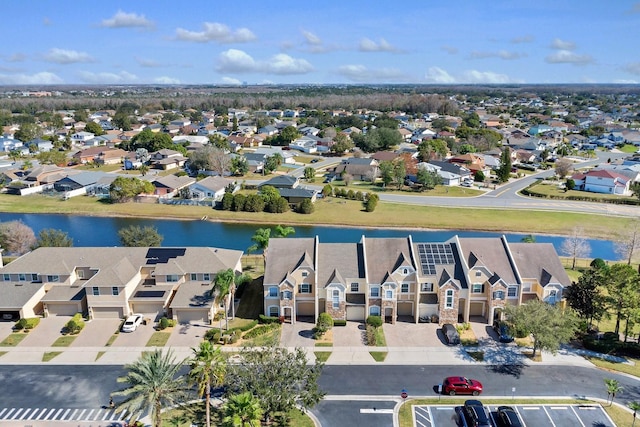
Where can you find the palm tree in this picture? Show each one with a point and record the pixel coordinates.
(153, 384)
(143, 169)
(261, 241)
(223, 286)
(282, 231)
(242, 410)
(635, 407)
(208, 369)
(613, 388)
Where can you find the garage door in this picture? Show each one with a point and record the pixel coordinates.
(191, 316)
(405, 309)
(306, 309)
(63, 309)
(355, 313)
(152, 311)
(476, 309)
(107, 313)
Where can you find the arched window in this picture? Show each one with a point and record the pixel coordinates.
(374, 310)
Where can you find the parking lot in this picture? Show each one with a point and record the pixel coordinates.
(557, 415)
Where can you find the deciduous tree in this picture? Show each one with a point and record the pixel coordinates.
(629, 242)
(575, 246)
(50, 237)
(563, 167)
(16, 237)
(586, 297)
(137, 236)
(623, 292)
(124, 189)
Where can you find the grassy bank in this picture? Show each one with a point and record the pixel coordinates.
(333, 211)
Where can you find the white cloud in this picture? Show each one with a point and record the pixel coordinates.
(362, 74)
(562, 45)
(217, 32)
(17, 57)
(231, 81)
(368, 45)
(164, 80)
(43, 78)
(475, 76)
(523, 39)
(311, 38)
(107, 78)
(450, 49)
(633, 68)
(148, 63)
(127, 20)
(238, 61)
(438, 75)
(568, 57)
(502, 54)
(63, 56)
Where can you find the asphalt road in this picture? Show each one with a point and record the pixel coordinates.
(88, 387)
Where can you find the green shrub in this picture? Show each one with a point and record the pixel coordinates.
(248, 326)
(268, 319)
(351, 195)
(75, 325)
(374, 321)
(260, 330)
(339, 322)
(27, 324)
(371, 333)
(212, 335)
(165, 323)
(305, 207)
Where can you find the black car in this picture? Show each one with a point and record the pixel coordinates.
(475, 414)
(508, 417)
(450, 334)
(459, 417)
(503, 331)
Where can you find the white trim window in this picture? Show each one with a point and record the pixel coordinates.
(374, 292)
(274, 310)
(512, 292)
(172, 278)
(404, 288)
(53, 278)
(22, 277)
(6, 277)
(96, 291)
(273, 292)
(354, 287)
(115, 291)
(287, 295)
(388, 294)
(477, 288)
(206, 276)
(374, 310)
(335, 298)
(448, 298)
(426, 287)
(194, 277)
(304, 288)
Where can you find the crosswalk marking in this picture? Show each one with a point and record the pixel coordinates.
(49, 414)
(73, 414)
(18, 412)
(26, 413)
(41, 413)
(64, 414)
(11, 411)
(81, 414)
(2, 412)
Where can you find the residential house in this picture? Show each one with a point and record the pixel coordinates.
(167, 159)
(39, 145)
(100, 155)
(289, 187)
(473, 162)
(79, 183)
(80, 137)
(212, 187)
(602, 181)
(169, 186)
(114, 282)
(362, 169)
(403, 280)
(306, 144)
(287, 156)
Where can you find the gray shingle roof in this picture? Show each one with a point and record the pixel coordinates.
(490, 252)
(539, 261)
(284, 255)
(13, 296)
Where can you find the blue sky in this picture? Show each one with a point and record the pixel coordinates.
(319, 42)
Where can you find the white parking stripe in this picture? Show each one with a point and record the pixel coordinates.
(48, 414)
(98, 415)
(41, 414)
(26, 413)
(2, 412)
(18, 412)
(106, 415)
(88, 417)
(11, 411)
(65, 414)
(520, 415)
(549, 416)
(73, 414)
(57, 413)
(122, 415)
(81, 414)
(576, 414)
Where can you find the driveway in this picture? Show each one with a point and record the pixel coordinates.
(351, 335)
(46, 332)
(137, 338)
(5, 329)
(298, 335)
(187, 335)
(409, 334)
(96, 333)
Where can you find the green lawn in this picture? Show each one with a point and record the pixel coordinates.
(158, 339)
(13, 340)
(64, 341)
(322, 356)
(47, 356)
(632, 369)
(378, 356)
(112, 338)
(551, 189)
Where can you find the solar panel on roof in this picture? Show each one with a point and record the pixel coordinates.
(163, 255)
(432, 254)
(149, 294)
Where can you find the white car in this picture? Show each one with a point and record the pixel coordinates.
(132, 323)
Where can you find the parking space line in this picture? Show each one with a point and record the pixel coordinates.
(549, 416)
(520, 415)
(15, 415)
(81, 414)
(577, 416)
(11, 411)
(26, 413)
(41, 414)
(2, 412)
(73, 414)
(65, 414)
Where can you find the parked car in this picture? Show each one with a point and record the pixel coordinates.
(450, 334)
(503, 331)
(460, 419)
(467, 184)
(461, 385)
(132, 323)
(508, 417)
(476, 414)
(315, 160)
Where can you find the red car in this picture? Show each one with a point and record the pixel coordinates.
(461, 385)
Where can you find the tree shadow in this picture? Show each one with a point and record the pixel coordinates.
(505, 360)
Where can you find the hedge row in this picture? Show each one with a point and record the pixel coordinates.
(215, 333)
(268, 319)
(528, 191)
(339, 322)
(260, 330)
(27, 324)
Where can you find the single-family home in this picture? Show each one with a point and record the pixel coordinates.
(361, 169)
(170, 185)
(602, 181)
(167, 159)
(212, 187)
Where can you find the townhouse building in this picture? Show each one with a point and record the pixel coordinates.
(114, 282)
(397, 278)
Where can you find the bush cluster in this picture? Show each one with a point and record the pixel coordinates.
(260, 330)
(75, 324)
(339, 322)
(324, 323)
(529, 191)
(253, 203)
(371, 335)
(27, 324)
(375, 321)
(165, 323)
(268, 319)
(348, 194)
(609, 343)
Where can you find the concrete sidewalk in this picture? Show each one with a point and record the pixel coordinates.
(355, 355)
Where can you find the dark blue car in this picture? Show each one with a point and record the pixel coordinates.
(503, 331)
